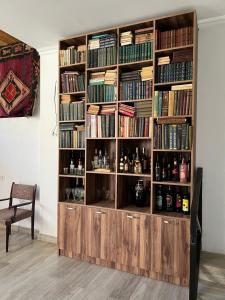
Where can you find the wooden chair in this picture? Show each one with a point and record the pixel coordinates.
(13, 213)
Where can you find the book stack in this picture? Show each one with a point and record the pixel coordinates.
(93, 109)
(103, 124)
(72, 81)
(136, 85)
(69, 111)
(172, 136)
(126, 38)
(175, 102)
(126, 110)
(102, 50)
(102, 86)
(182, 55)
(143, 109)
(147, 73)
(72, 55)
(134, 126)
(71, 136)
(165, 60)
(174, 38)
(141, 50)
(174, 72)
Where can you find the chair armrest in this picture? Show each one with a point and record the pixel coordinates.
(15, 206)
(5, 199)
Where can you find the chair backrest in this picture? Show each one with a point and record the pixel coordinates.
(23, 191)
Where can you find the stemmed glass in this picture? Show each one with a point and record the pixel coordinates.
(68, 192)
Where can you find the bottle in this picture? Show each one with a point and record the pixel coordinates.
(140, 194)
(72, 166)
(188, 170)
(95, 160)
(157, 170)
(186, 204)
(178, 201)
(169, 171)
(100, 159)
(137, 163)
(164, 171)
(175, 170)
(144, 161)
(159, 199)
(183, 171)
(80, 166)
(121, 164)
(126, 164)
(169, 199)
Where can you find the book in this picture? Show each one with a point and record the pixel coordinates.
(72, 81)
(102, 125)
(174, 72)
(72, 55)
(71, 136)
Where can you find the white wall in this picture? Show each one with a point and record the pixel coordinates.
(211, 133)
(29, 151)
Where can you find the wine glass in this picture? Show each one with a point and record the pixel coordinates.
(68, 192)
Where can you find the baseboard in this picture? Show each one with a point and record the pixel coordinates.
(37, 235)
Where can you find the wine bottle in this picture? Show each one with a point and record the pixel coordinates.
(183, 171)
(164, 171)
(144, 161)
(126, 164)
(157, 170)
(159, 199)
(169, 200)
(186, 204)
(175, 170)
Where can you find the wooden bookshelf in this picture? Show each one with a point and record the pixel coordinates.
(108, 221)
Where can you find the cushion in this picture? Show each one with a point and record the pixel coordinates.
(7, 215)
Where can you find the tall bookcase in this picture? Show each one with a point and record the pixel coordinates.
(106, 227)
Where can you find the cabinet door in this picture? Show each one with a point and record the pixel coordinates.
(133, 240)
(69, 229)
(170, 246)
(100, 239)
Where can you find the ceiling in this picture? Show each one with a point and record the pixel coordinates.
(43, 23)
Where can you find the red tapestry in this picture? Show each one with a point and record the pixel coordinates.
(19, 80)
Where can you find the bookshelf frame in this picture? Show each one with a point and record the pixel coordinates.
(119, 178)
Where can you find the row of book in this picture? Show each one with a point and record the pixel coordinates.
(72, 82)
(175, 102)
(99, 126)
(72, 55)
(174, 72)
(72, 111)
(135, 52)
(101, 93)
(174, 38)
(134, 126)
(102, 57)
(139, 36)
(132, 90)
(71, 136)
(172, 136)
(138, 109)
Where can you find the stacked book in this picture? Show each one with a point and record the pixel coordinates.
(165, 60)
(71, 136)
(174, 72)
(134, 121)
(72, 55)
(182, 55)
(69, 111)
(102, 50)
(101, 121)
(174, 38)
(173, 136)
(147, 73)
(102, 86)
(136, 85)
(72, 81)
(176, 102)
(142, 49)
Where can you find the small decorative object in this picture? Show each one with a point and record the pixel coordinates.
(140, 194)
(72, 167)
(65, 171)
(78, 193)
(102, 163)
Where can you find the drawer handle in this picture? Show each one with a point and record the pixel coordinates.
(71, 208)
(130, 217)
(175, 222)
(166, 222)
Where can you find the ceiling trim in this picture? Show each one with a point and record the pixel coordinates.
(218, 19)
(48, 50)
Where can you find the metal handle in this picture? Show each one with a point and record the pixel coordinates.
(175, 222)
(71, 208)
(132, 217)
(100, 212)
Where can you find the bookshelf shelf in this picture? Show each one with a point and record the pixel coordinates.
(171, 183)
(173, 83)
(135, 175)
(110, 199)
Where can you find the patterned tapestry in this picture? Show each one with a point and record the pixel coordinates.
(19, 80)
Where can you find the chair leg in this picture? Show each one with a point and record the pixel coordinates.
(32, 227)
(10, 230)
(7, 237)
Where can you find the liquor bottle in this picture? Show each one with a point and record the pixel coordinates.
(121, 164)
(186, 204)
(159, 199)
(157, 170)
(144, 161)
(100, 159)
(183, 171)
(137, 163)
(175, 170)
(169, 171)
(126, 164)
(169, 200)
(80, 166)
(72, 166)
(188, 170)
(95, 160)
(106, 160)
(178, 201)
(164, 171)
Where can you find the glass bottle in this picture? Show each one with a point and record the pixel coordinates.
(169, 199)
(126, 164)
(175, 170)
(164, 170)
(140, 194)
(95, 160)
(169, 171)
(157, 170)
(100, 159)
(183, 171)
(80, 166)
(72, 166)
(159, 199)
(186, 203)
(178, 201)
(137, 163)
(121, 165)
(144, 161)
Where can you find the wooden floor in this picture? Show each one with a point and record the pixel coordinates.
(33, 270)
